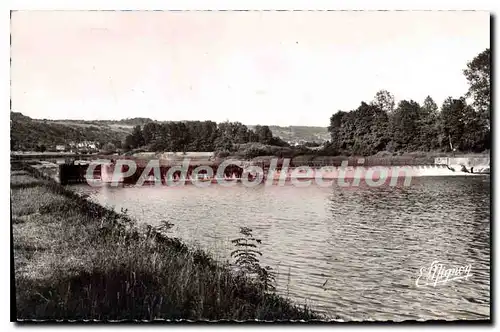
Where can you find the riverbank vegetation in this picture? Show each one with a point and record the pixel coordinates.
(75, 259)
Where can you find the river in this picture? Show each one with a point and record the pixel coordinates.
(352, 254)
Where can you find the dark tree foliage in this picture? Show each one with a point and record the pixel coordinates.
(135, 139)
(405, 126)
(150, 132)
(368, 130)
(463, 127)
(409, 127)
(264, 134)
(202, 136)
(478, 76)
(384, 100)
(431, 133)
(360, 132)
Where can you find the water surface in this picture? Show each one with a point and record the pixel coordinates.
(355, 253)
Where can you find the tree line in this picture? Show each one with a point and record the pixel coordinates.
(380, 125)
(197, 136)
(460, 124)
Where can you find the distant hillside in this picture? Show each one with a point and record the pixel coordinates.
(126, 123)
(300, 133)
(30, 134)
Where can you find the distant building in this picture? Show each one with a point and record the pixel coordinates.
(60, 147)
(87, 145)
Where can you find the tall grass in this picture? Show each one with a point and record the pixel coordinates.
(75, 259)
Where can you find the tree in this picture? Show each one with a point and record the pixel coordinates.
(463, 126)
(252, 136)
(336, 132)
(176, 136)
(384, 100)
(264, 134)
(109, 147)
(362, 131)
(370, 129)
(405, 125)
(431, 137)
(429, 107)
(129, 143)
(13, 144)
(138, 137)
(150, 132)
(134, 140)
(452, 116)
(276, 141)
(478, 75)
(475, 137)
(117, 143)
(209, 134)
(225, 137)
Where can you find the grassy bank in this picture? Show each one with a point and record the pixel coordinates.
(78, 260)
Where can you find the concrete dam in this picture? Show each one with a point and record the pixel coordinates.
(76, 172)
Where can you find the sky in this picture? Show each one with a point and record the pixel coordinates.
(273, 68)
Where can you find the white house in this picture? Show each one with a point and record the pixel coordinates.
(87, 145)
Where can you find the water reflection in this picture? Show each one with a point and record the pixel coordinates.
(352, 253)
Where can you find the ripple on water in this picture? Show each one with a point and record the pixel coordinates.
(351, 253)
